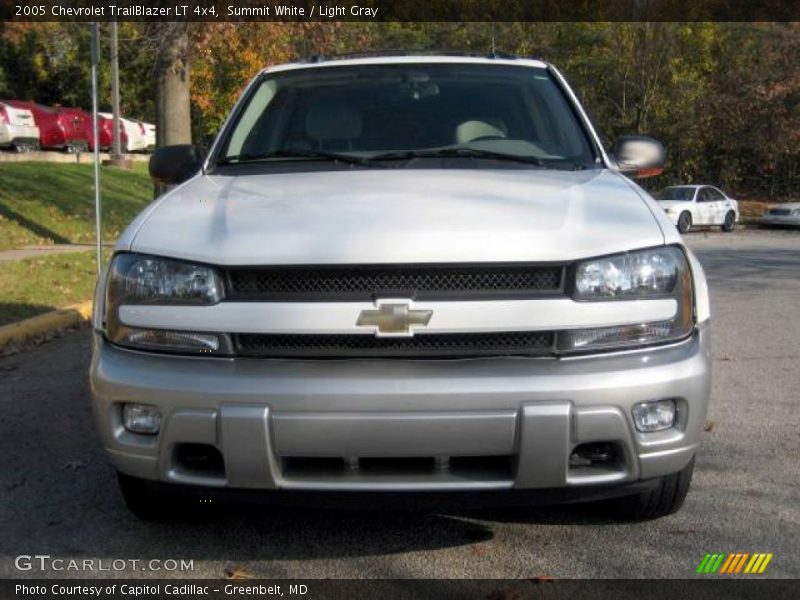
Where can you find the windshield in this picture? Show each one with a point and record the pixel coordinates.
(675, 193)
(402, 112)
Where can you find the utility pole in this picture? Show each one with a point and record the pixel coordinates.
(116, 151)
(116, 159)
(97, 211)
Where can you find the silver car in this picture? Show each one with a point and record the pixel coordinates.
(397, 275)
(782, 215)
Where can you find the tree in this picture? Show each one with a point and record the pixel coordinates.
(172, 77)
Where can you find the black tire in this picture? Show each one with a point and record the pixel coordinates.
(684, 221)
(730, 222)
(151, 503)
(666, 498)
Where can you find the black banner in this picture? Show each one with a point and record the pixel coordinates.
(743, 588)
(399, 10)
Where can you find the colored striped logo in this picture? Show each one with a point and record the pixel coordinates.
(732, 564)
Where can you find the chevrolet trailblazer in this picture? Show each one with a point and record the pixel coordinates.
(402, 274)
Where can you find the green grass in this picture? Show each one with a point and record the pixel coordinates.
(42, 203)
(37, 285)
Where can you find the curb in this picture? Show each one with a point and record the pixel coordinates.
(45, 324)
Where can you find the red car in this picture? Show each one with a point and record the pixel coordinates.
(105, 132)
(59, 128)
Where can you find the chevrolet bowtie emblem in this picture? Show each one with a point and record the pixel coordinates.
(393, 319)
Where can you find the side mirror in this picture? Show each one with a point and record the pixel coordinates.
(639, 156)
(175, 164)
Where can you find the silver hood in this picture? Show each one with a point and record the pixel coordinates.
(397, 216)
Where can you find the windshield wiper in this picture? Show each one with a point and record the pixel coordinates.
(457, 153)
(290, 154)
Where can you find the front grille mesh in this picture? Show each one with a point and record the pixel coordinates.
(365, 283)
(533, 343)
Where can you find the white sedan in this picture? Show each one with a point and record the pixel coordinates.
(698, 205)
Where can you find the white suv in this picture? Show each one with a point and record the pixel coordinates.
(400, 275)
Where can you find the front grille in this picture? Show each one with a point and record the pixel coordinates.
(780, 212)
(431, 345)
(358, 283)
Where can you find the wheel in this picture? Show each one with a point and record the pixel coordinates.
(684, 222)
(152, 503)
(664, 499)
(730, 222)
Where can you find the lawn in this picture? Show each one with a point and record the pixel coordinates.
(37, 285)
(44, 203)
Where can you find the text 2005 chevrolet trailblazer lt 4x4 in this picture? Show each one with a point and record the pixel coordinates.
(399, 275)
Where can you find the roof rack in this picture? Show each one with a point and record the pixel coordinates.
(495, 54)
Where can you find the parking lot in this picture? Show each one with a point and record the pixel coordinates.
(59, 494)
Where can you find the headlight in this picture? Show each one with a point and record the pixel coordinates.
(643, 275)
(796, 212)
(141, 279)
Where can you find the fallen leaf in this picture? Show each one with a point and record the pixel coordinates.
(478, 549)
(237, 573)
(709, 425)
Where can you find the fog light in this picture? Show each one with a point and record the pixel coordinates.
(141, 418)
(654, 416)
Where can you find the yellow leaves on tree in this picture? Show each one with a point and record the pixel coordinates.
(228, 55)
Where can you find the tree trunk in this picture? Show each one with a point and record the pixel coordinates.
(172, 68)
(174, 124)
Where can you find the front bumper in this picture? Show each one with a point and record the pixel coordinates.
(485, 424)
(780, 221)
(11, 134)
(672, 216)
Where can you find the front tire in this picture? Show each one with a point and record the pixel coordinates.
(666, 498)
(730, 222)
(684, 222)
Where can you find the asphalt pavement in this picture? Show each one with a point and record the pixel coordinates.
(58, 494)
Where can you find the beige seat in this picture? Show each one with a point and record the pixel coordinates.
(469, 131)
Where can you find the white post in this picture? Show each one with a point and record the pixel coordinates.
(97, 204)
